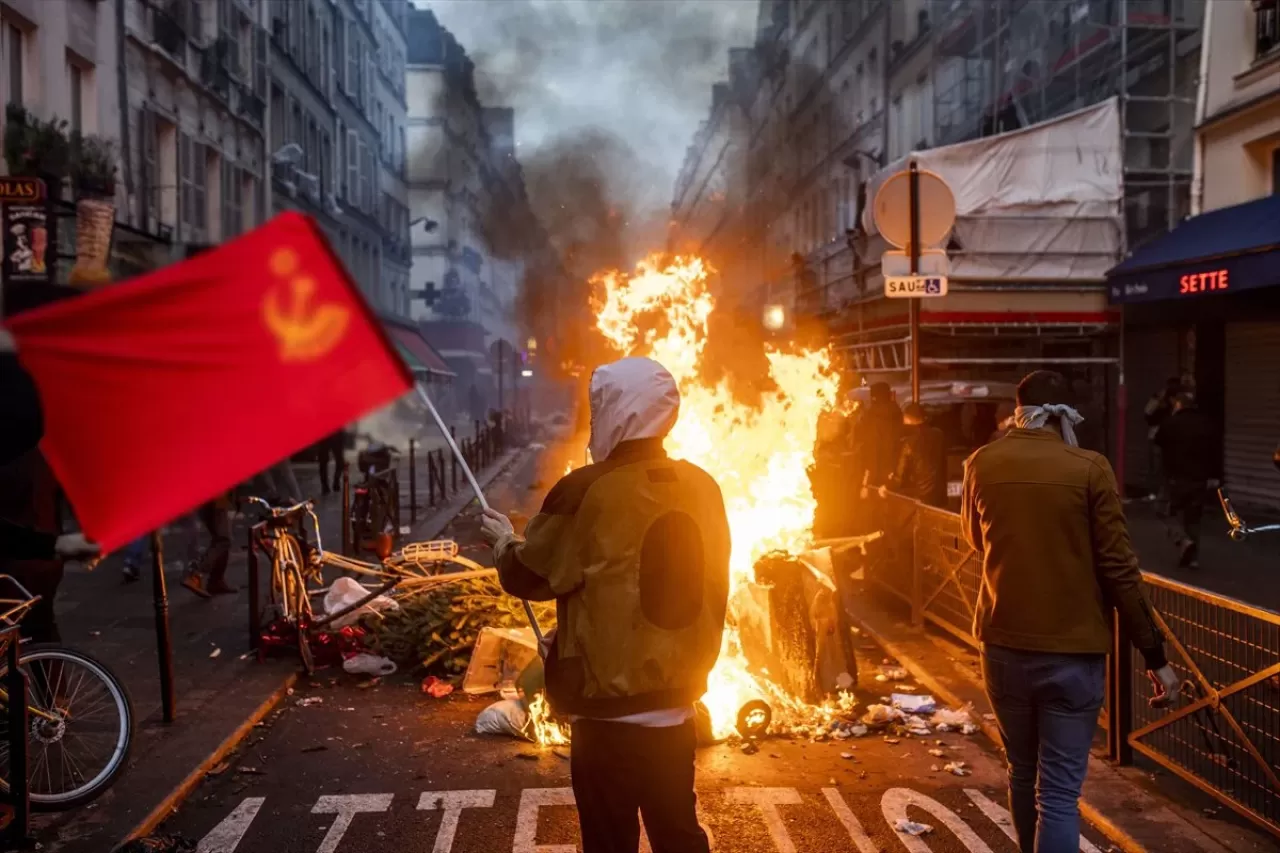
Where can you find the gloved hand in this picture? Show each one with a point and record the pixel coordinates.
(494, 527)
(73, 546)
(1167, 685)
(883, 491)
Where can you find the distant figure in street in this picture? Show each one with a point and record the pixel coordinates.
(332, 447)
(1156, 412)
(207, 573)
(634, 549)
(475, 403)
(135, 554)
(921, 472)
(1188, 448)
(879, 429)
(1046, 519)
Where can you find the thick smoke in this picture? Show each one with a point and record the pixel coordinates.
(607, 96)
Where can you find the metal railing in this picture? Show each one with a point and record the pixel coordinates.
(1223, 737)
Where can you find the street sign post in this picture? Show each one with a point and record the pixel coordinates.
(915, 211)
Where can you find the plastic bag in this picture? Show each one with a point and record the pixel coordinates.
(367, 664)
(507, 717)
(498, 658)
(344, 593)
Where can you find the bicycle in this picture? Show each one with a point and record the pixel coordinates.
(65, 688)
(297, 570)
(375, 503)
(1240, 530)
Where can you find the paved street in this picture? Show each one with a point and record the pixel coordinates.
(350, 769)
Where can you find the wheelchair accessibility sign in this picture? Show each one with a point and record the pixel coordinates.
(915, 286)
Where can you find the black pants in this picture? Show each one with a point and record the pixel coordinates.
(621, 772)
(213, 562)
(330, 448)
(1186, 499)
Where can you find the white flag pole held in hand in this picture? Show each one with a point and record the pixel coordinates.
(484, 504)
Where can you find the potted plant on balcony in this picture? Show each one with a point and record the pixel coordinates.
(34, 147)
(93, 178)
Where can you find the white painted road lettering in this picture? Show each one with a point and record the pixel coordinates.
(452, 803)
(229, 834)
(532, 799)
(768, 800)
(894, 805)
(1001, 818)
(851, 825)
(346, 807)
(225, 837)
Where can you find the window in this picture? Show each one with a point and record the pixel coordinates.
(353, 167)
(76, 77)
(326, 164)
(193, 178)
(353, 60)
(15, 53)
(149, 170)
(231, 187)
(339, 58)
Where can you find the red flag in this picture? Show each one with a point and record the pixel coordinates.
(165, 391)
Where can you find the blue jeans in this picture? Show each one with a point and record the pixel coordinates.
(1046, 706)
(135, 553)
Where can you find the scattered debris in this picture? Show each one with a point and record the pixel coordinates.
(891, 672)
(847, 756)
(910, 827)
(367, 664)
(216, 651)
(938, 753)
(529, 756)
(879, 716)
(507, 717)
(95, 633)
(160, 844)
(317, 748)
(892, 741)
(435, 687)
(905, 688)
(947, 720)
(918, 728)
(957, 768)
(561, 753)
(219, 769)
(250, 771)
(912, 704)
(750, 748)
(308, 701)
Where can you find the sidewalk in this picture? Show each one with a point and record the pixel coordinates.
(220, 686)
(1138, 810)
(1248, 571)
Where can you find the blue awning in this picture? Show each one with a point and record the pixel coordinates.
(1222, 251)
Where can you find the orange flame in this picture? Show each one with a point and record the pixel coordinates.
(759, 456)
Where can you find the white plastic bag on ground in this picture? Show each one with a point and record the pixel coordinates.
(507, 717)
(344, 593)
(365, 664)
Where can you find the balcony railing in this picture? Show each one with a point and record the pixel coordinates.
(1267, 37)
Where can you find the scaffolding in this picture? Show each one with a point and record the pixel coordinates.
(1005, 64)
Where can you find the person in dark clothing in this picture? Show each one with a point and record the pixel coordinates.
(207, 573)
(1186, 443)
(29, 497)
(921, 472)
(1158, 410)
(333, 447)
(880, 427)
(21, 429)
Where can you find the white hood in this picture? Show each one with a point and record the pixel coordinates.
(630, 399)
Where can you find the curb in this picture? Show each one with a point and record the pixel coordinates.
(431, 526)
(1114, 834)
(175, 798)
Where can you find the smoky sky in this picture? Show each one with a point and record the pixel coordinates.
(626, 82)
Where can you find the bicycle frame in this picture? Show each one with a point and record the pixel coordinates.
(10, 616)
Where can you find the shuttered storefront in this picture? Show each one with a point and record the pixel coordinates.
(1150, 358)
(1252, 413)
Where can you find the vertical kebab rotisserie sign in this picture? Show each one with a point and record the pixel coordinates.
(30, 238)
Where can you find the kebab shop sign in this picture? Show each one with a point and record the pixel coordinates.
(1203, 282)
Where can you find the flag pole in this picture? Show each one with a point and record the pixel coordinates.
(475, 487)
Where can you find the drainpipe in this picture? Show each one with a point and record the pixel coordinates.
(122, 84)
(1202, 101)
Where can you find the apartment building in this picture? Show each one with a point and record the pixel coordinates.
(195, 130)
(391, 24)
(1204, 300)
(475, 240)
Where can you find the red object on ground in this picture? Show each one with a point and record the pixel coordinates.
(165, 391)
(436, 688)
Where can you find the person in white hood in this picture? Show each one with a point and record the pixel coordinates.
(634, 550)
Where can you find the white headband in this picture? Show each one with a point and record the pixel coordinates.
(1035, 417)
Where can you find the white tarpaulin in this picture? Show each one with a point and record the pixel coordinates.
(1042, 202)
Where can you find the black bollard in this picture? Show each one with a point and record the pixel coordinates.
(164, 639)
(19, 829)
(413, 482)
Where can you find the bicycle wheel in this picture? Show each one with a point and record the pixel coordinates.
(77, 751)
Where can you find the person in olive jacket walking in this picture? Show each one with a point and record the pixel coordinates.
(1046, 519)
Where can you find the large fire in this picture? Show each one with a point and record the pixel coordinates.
(759, 456)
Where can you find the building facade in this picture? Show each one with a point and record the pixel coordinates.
(475, 241)
(841, 92)
(391, 25)
(1204, 302)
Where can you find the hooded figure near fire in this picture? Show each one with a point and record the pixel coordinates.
(634, 549)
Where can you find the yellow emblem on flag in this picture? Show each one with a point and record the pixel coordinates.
(305, 331)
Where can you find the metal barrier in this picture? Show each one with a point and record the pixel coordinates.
(1224, 737)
